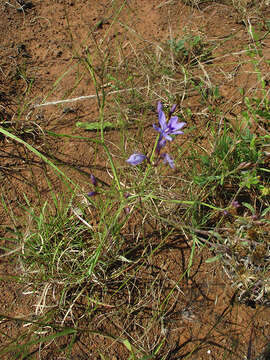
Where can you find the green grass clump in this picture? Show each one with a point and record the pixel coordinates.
(232, 154)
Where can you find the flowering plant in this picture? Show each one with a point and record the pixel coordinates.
(166, 129)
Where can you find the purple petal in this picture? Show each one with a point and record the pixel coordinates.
(93, 180)
(157, 128)
(92, 193)
(162, 120)
(179, 125)
(174, 124)
(173, 109)
(177, 132)
(235, 204)
(167, 137)
(168, 159)
(161, 143)
(127, 209)
(159, 106)
(136, 159)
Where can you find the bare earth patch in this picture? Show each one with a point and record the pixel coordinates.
(47, 53)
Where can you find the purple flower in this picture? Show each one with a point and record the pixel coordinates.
(168, 159)
(235, 204)
(127, 210)
(172, 109)
(93, 180)
(136, 159)
(92, 193)
(173, 127)
(161, 143)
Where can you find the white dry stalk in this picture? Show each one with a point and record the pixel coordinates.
(11, 251)
(60, 258)
(75, 212)
(112, 177)
(69, 311)
(57, 102)
(42, 300)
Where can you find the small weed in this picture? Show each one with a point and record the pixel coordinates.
(190, 50)
(230, 156)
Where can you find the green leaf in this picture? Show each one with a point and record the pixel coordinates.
(127, 345)
(122, 258)
(37, 340)
(212, 259)
(36, 152)
(97, 125)
(265, 211)
(250, 207)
